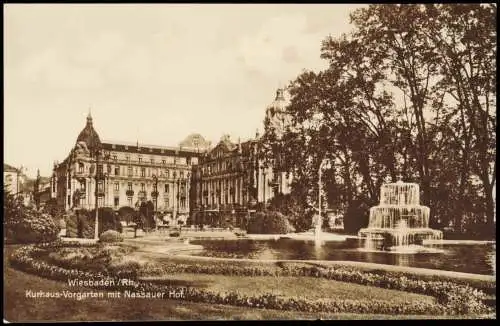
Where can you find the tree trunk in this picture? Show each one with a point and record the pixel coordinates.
(489, 202)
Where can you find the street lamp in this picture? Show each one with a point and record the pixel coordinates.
(155, 193)
(187, 191)
(320, 172)
(178, 193)
(99, 176)
(174, 174)
(263, 168)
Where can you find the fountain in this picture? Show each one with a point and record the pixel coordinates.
(316, 221)
(399, 223)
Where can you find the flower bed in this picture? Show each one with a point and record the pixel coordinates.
(451, 298)
(459, 298)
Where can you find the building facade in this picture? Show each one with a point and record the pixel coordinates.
(125, 174)
(15, 182)
(232, 179)
(210, 184)
(11, 179)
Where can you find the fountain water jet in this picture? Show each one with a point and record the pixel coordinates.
(399, 223)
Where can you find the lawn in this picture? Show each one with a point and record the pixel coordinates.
(298, 287)
(18, 308)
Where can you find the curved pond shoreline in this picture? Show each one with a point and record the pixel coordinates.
(182, 250)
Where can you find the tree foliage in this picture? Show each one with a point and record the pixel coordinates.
(25, 224)
(409, 92)
(269, 222)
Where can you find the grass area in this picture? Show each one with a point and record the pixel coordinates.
(18, 307)
(298, 287)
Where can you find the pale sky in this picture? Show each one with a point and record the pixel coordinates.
(154, 72)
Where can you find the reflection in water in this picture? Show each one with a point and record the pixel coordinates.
(478, 258)
(319, 250)
(402, 260)
(492, 260)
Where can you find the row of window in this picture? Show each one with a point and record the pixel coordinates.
(164, 161)
(131, 171)
(116, 187)
(222, 201)
(130, 203)
(226, 165)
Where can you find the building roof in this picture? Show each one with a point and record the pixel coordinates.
(225, 145)
(279, 104)
(195, 141)
(89, 135)
(9, 168)
(147, 149)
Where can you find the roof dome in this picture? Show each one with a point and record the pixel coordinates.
(194, 141)
(279, 103)
(89, 136)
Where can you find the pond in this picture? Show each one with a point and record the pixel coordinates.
(469, 258)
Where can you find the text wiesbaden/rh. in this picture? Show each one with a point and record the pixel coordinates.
(105, 282)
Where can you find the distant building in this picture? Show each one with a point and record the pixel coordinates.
(11, 180)
(128, 174)
(231, 180)
(15, 182)
(277, 119)
(41, 190)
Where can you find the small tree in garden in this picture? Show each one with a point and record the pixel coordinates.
(126, 214)
(291, 206)
(150, 210)
(139, 220)
(269, 222)
(52, 208)
(27, 225)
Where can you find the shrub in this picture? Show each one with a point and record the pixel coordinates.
(292, 206)
(126, 214)
(110, 236)
(85, 222)
(109, 220)
(175, 234)
(52, 208)
(33, 227)
(269, 223)
(125, 268)
(26, 225)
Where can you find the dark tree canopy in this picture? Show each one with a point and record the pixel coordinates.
(411, 92)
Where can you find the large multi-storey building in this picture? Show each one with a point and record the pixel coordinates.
(226, 181)
(126, 174)
(232, 179)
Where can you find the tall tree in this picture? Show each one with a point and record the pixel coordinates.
(465, 41)
(394, 33)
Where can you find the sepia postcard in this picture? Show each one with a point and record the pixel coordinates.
(176, 162)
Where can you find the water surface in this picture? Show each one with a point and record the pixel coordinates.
(470, 258)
